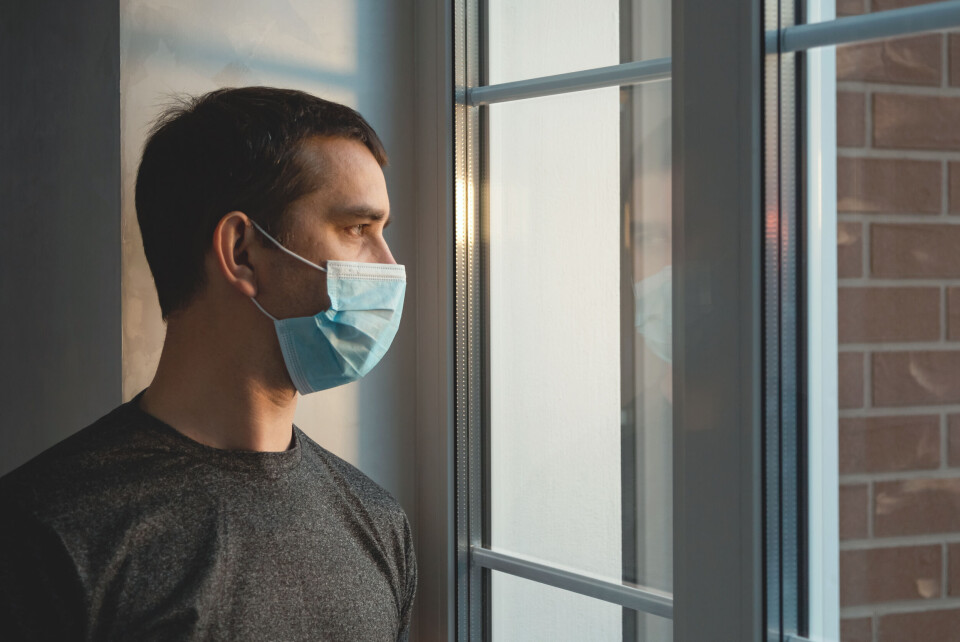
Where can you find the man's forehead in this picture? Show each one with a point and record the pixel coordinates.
(345, 180)
(325, 155)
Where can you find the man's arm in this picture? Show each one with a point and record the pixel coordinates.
(41, 597)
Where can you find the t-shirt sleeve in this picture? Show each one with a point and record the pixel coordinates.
(41, 597)
(410, 582)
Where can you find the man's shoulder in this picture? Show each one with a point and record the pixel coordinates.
(351, 480)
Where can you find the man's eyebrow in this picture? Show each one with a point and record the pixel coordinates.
(362, 211)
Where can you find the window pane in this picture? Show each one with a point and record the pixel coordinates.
(537, 38)
(898, 319)
(580, 335)
(526, 610)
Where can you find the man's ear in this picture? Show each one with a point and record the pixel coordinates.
(237, 252)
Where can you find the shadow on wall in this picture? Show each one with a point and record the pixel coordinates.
(59, 259)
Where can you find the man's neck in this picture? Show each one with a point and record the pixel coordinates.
(210, 388)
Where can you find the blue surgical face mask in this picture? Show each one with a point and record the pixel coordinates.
(654, 312)
(345, 342)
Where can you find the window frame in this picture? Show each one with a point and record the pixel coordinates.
(726, 584)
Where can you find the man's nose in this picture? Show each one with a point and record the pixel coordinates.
(385, 256)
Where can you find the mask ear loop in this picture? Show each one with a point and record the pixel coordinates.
(257, 303)
(294, 255)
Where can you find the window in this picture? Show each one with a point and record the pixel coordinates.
(646, 319)
(566, 318)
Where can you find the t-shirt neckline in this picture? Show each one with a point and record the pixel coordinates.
(270, 463)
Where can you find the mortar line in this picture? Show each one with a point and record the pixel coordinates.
(900, 606)
(867, 232)
(898, 153)
(929, 91)
(944, 319)
(944, 188)
(944, 569)
(944, 464)
(912, 475)
(945, 62)
(867, 381)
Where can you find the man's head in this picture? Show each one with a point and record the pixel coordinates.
(294, 163)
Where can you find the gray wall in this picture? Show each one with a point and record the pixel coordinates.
(60, 363)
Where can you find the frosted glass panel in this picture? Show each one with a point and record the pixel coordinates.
(537, 611)
(580, 339)
(555, 329)
(544, 37)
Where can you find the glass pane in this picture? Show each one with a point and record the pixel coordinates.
(526, 610)
(898, 319)
(580, 331)
(537, 38)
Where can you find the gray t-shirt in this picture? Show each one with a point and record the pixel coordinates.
(129, 530)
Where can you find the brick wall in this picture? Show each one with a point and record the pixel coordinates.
(898, 181)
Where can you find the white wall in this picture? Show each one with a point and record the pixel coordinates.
(358, 52)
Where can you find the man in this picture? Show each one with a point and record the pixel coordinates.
(198, 510)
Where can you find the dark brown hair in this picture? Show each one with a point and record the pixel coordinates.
(230, 149)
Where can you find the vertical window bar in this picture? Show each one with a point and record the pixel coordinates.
(631, 523)
(771, 331)
(782, 380)
(468, 327)
(789, 309)
(480, 159)
(718, 295)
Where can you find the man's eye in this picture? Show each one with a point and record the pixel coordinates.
(358, 229)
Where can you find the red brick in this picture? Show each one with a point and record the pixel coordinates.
(953, 313)
(954, 187)
(916, 378)
(856, 630)
(903, 121)
(889, 444)
(953, 440)
(929, 626)
(953, 570)
(915, 251)
(850, 375)
(868, 315)
(888, 185)
(954, 63)
(849, 250)
(850, 7)
(916, 507)
(889, 574)
(851, 119)
(854, 511)
(914, 60)
(887, 5)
